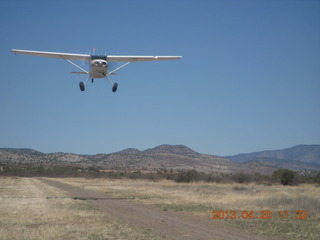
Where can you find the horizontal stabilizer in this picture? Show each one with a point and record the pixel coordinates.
(79, 73)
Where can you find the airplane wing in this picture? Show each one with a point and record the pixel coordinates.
(72, 56)
(69, 56)
(140, 58)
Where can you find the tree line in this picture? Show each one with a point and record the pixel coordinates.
(282, 176)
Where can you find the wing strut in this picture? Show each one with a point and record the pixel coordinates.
(77, 66)
(109, 73)
(115, 85)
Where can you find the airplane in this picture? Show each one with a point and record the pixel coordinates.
(98, 63)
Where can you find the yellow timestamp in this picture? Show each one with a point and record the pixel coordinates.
(263, 214)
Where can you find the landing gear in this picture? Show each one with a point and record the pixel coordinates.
(98, 71)
(81, 84)
(114, 87)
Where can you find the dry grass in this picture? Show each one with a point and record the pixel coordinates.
(29, 209)
(203, 198)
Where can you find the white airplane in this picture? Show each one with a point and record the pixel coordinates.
(98, 63)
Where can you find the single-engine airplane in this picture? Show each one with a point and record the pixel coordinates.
(98, 63)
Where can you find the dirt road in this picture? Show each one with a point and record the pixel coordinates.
(171, 225)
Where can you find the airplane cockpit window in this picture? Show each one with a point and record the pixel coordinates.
(93, 57)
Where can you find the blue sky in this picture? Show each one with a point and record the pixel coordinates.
(249, 79)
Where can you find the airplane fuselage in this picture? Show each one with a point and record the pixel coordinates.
(98, 68)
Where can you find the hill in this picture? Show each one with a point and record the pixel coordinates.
(161, 157)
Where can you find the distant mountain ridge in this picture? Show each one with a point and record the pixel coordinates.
(295, 158)
(175, 157)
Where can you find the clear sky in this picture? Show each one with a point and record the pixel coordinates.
(249, 79)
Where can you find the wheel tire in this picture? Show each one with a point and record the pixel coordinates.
(114, 87)
(81, 84)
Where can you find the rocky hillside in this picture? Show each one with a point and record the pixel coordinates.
(161, 157)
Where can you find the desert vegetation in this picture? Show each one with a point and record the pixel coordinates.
(282, 176)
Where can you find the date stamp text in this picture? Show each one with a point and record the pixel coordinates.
(263, 214)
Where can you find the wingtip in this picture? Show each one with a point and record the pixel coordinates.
(14, 50)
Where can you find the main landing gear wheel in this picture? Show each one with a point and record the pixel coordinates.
(81, 84)
(114, 87)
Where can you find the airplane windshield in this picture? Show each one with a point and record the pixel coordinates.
(102, 57)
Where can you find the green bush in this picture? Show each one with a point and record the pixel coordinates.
(284, 176)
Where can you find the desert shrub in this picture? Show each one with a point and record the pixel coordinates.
(284, 176)
(188, 176)
(257, 177)
(316, 178)
(213, 177)
(134, 175)
(241, 177)
(287, 178)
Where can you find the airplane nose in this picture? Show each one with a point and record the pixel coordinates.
(100, 63)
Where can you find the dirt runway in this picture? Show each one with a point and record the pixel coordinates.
(166, 223)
